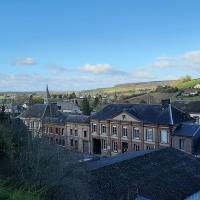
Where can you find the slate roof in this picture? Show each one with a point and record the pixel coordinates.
(147, 113)
(40, 110)
(187, 130)
(67, 118)
(190, 107)
(73, 118)
(164, 174)
(68, 106)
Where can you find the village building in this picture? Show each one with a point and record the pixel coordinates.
(120, 128)
(70, 131)
(191, 107)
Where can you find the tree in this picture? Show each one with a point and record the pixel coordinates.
(86, 107)
(96, 102)
(72, 95)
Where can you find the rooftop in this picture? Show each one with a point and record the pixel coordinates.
(163, 174)
(187, 130)
(148, 113)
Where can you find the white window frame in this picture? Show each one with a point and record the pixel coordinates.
(166, 137)
(103, 129)
(149, 131)
(124, 131)
(94, 128)
(134, 133)
(114, 130)
(104, 144)
(114, 146)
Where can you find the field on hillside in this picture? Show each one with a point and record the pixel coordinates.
(189, 84)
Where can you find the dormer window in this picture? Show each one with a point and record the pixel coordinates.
(123, 117)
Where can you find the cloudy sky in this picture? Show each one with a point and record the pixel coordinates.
(84, 44)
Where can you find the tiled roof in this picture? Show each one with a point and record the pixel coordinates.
(147, 113)
(191, 106)
(164, 174)
(187, 130)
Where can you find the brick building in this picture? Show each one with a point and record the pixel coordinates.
(119, 128)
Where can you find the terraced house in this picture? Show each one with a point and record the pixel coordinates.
(119, 128)
(69, 130)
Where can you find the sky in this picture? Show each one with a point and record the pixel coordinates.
(84, 44)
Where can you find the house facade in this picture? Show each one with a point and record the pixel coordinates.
(70, 131)
(120, 128)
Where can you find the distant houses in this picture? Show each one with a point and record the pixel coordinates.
(117, 128)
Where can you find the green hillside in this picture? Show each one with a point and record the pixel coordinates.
(189, 84)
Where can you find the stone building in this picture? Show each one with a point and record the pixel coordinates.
(186, 137)
(119, 128)
(70, 131)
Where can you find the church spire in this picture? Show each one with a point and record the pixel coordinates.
(47, 96)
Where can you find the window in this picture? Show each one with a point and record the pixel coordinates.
(114, 146)
(62, 131)
(149, 134)
(114, 130)
(71, 143)
(125, 132)
(103, 128)
(136, 147)
(51, 140)
(181, 144)
(123, 117)
(56, 141)
(63, 142)
(85, 133)
(59, 131)
(76, 144)
(104, 144)
(150, 147)
(164, 136)
(56, 130)
(76, 133)
(94, 128)
(136, 133)
(71, 132)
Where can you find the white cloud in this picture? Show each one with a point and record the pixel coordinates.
(57, 69)
(26, 61)
(97, 69)
(164, 62)
(192, 57)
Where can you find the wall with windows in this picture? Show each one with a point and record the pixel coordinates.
(121, 136)
(182, 143)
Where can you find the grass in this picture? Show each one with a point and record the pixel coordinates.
(6, 193)
(189, 84)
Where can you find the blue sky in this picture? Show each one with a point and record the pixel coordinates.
(76, 45)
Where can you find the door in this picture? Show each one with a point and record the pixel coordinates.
(96, 146)
(124, 147)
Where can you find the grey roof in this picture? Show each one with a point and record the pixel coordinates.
(187, 130)
(40, 110)
(147, 113)
(115, 159)
(67, 106)
(63, 118)
(164, 174)
(73, 118)
(188, 106)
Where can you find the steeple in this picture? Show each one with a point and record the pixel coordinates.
(47, 96)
